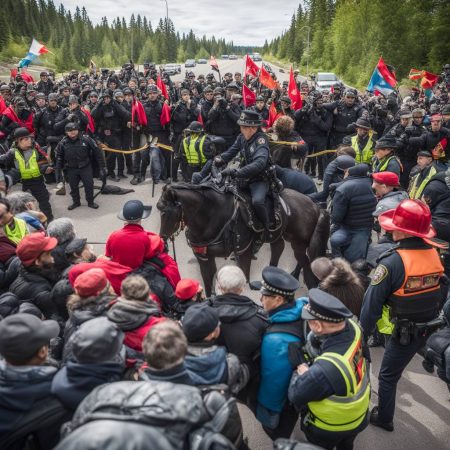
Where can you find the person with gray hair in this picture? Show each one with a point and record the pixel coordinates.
(243, 322)
(25, 206)
(63, 229)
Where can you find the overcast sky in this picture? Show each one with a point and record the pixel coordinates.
(245, 23)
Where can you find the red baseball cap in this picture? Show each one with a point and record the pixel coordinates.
(90, 283)
(33, 245)
(387, 178)
(186, 288)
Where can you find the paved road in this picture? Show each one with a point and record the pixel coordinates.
(423, 407)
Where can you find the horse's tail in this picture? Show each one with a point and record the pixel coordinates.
(319, 239)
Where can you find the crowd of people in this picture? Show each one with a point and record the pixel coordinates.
(118, 350)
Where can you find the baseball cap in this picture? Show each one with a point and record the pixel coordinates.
(96, 341)
(90, 283)
(33, 245)
(22, 335)
(199, 321)
(134, 210)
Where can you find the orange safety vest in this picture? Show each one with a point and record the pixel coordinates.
(419, 297)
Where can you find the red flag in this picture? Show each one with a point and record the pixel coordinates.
(26, 77)
(138, 110)
(273, 115)
(429, 80)
(91, 125)
(266, 79)
(294, 93)
(213, 64)
(248, 95)
(200, 118)
(250, 67)
(13, 73)
(162, 87)
(165, 115)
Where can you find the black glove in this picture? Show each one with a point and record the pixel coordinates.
(229, 172)
(295, 354)
(71, 117)
(218, 161)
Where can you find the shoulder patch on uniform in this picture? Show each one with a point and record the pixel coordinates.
(379, 274)
(261, 141)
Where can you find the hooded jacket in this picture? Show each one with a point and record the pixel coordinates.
(243, 324)
(135, 318)
(20, 388)
(76, 380)
(276, 370)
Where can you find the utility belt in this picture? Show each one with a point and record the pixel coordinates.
(405, 330)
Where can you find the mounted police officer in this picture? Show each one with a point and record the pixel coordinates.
(403, 296)
(76, 153)
(253, 146)
(333, 393)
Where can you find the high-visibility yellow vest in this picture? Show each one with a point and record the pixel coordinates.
(19, 231)
(344, 413)
(193, 150)
(383, 166)
(30, 169)
(367, 153)
(416, 189)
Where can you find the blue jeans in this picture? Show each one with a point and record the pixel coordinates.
(157, 163)
(349, 243)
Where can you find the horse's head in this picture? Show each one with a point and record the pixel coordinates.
(171, 212)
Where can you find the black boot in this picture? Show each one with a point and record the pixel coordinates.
(74, 205)
(136, 180)
(388, 426)
(93, 205)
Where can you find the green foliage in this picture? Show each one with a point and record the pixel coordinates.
(75, 40)
(349, 36)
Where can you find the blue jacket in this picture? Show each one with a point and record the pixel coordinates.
(20, 388)
(354, 201)
(276, 370)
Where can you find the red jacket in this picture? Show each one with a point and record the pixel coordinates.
(134, 338)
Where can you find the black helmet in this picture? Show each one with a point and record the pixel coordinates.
(195, 127)
(40, 95)
(52, 96)
(350, 92)
(43, 74)
(73, 99)
(260, 98)
(21, 132)
(210, 75)
(447, 66)
(70, 126)
(108, 93)
(315, 95)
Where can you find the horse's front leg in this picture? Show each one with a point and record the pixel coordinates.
(208, 269)
(276, 250)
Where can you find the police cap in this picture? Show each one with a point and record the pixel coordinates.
(324, 306)
(277, 281)
(386, 142)
(70, 127)
(249, 118)
(260, 98)
(21, 132)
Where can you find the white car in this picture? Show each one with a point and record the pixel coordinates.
(325, 80)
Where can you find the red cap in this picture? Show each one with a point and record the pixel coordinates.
(33, 245)
(90, 283)
(436, 118)
(186, 288)
(387, 178)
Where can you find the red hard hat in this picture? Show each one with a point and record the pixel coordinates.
(410, 216)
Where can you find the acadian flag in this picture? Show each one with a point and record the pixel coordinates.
(36, 49)
(383, 80)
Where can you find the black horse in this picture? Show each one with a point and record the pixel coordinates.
(218, 225)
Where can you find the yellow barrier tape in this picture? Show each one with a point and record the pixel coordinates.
(129, 152)
(323, 152)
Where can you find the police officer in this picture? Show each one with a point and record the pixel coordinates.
(110, 118)
(334, 392)
(422, 177)
(404, 291)
(385, 159)
(345, 112)
(72, 114)
(274, 412)
(44, 121)
(196, 150)
(29, 164)
(76, 153)
(253, 146)
(363, 142)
